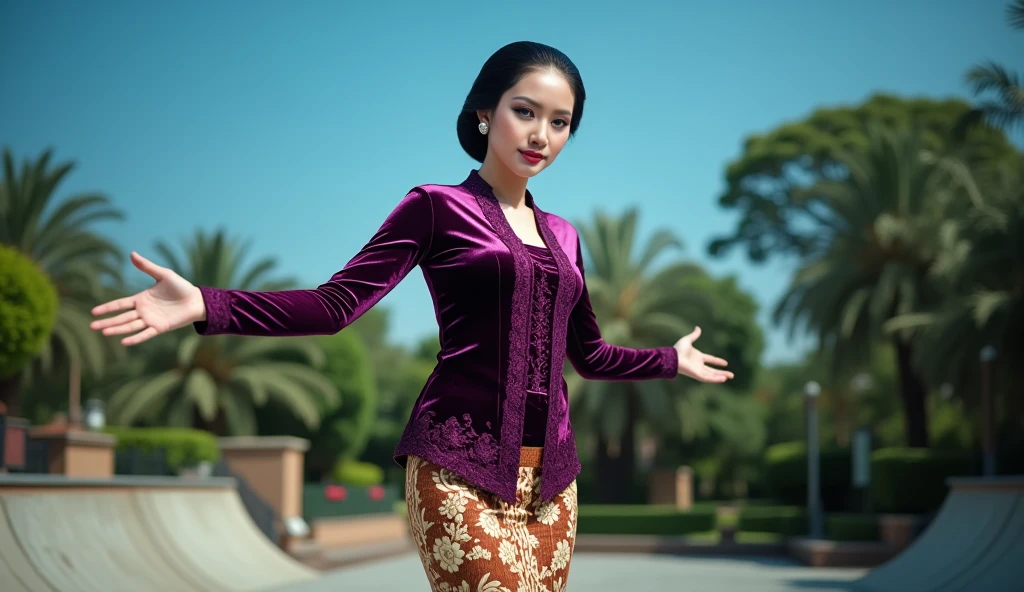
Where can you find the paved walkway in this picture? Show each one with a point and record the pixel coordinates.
(606, 572)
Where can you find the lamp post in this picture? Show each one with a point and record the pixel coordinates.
(988, 432)
(811, 391)
(861, 465)
(95, 418)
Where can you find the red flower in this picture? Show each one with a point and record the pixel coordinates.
(335, 493)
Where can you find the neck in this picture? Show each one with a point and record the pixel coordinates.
(507, 186)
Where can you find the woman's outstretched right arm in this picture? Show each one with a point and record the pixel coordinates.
(401, 242)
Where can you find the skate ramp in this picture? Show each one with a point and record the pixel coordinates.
(209, 535)
(1002, 566)
(969, 532)
(16, 573)
(89, 542)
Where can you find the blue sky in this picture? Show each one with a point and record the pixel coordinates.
(300, 125)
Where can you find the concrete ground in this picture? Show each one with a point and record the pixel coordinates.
(606, 572)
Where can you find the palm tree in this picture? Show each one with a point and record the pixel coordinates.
(83, 265)
(884, 220)
(636, 308)
(214, 383)
(982, 273)
(1006, 110)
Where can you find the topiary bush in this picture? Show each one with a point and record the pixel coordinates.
(28, 310)
(354, 472)
(183, 446)
(785, 474)
(913, 480)
(643, 519)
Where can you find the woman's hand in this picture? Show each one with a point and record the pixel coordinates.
(171, 303)
(692, 362)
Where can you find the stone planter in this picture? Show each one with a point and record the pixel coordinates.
(900, 530)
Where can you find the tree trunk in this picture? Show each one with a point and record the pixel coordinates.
(615, 472)
(914, 395)
(604, 469)
(628, 456)
(217, 427)
(10, 403)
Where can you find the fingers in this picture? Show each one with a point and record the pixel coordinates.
(140, 337)
(114, 305)
(131, 315)
(713, 375)
(136, 325)
(154, 270)
(708, 359)
(716, 376)
(694, 334)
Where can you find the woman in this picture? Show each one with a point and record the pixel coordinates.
(489, 452)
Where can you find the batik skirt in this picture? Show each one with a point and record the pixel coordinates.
(472, 540)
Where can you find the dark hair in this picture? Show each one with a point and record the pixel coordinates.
(503, 70)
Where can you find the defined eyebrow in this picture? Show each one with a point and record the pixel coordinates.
(539, 106)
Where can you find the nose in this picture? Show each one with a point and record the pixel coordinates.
(539, 138)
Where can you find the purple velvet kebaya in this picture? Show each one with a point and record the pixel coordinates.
(508, 315)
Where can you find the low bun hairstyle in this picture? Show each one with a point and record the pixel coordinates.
(503, 70)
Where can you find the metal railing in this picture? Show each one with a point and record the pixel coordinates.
(260, 511)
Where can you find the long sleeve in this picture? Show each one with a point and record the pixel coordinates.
(399, 245)
(595, 359)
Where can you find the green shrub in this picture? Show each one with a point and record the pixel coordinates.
(781, 520)
(913, 480)
(851, 527)
(643, 519)
(785, 474)
(354, 472)
(183, 446)
(28, 310)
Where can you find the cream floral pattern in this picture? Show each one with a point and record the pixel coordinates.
(470, 540)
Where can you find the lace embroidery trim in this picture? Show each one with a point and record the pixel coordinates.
(561, 462)
(461, 437)
(218, 311)
(540, 329)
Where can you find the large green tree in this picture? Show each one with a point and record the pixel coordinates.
(863, 242)
(980, 271)
(772, 184)
(82, 264)
(638, 306)
(215, 382)
(886, 215)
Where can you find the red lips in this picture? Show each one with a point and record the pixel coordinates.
(531, 157)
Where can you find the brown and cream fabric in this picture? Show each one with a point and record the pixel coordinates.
(472, 541)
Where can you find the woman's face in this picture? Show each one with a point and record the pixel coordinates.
(530, 125)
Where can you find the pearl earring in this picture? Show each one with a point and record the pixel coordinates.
(483, 127)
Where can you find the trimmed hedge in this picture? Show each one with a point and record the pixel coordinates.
(851, 527)
(334, 500)
(913, 480)
(642, 519)
(781, 520)
(793, 521)
(785, 474)
(353, 472)
(183, 446)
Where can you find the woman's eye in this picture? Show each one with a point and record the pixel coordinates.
(523, 111)
(561, 122)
